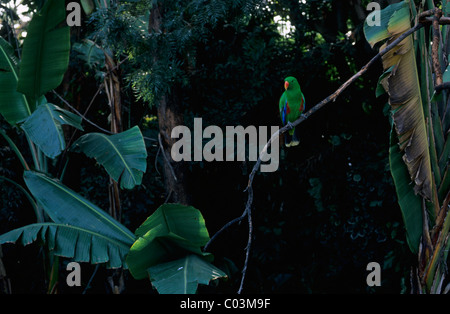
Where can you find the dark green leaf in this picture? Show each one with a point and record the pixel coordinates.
(410, 203)
(65, 206)
(46, 50)
(13, 105)
(172, 230)
(43, 127)
(79, 244)
(123, 155)
(182, 276)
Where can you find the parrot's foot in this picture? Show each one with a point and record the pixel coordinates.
(287, 139)
(290, 125)
(294, 142)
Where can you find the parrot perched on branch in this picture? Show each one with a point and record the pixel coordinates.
(292, 104)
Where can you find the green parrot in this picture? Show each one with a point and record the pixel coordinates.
(292, 104)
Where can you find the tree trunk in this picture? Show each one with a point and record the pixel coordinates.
(169, 116)
(112, 87)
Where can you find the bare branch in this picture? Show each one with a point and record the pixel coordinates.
(80, 114)
(89, 121)
(445, 85)
(332, 97)
(435, 47)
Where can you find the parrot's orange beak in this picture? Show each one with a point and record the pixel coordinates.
(286, 85)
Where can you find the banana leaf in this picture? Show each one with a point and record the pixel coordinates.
(13, 105)
(410, 203)
(402, 85)
(171, 231)
(65, 206)
(46, 50)
(193, 227)
(401, 82)
(80, 231)
(78, 244)
(391, 15)
(182, 276)
(44, 128)
(123, 155)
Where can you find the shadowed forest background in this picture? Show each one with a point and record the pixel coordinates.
(328, 211)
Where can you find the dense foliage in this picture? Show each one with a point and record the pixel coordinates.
(329, 210)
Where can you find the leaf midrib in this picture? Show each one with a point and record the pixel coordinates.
(119, 154)
(185, 274)
(53, 119)
(94, 233)
(13, 71)
(38, 71)
(99, 213)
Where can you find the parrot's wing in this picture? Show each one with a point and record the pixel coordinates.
(283, 108)
(302, 105)
(281, 102)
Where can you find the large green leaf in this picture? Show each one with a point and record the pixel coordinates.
(403, 88)
(65, 206)
(410, 203)
(81, 245)
(123, 155)
(171, 231)
(44, 128)
(182, 276)
(390, 16)
(13, 105)
(46, 50)
(185, 221)
(441, 129)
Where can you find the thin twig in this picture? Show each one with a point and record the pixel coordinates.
(250, 236)
(120, 62)
(69, 143)
(445, 85)
(156, 160)
(89, 121)
(226, 226)
(425, 14)
(90, 279)
(93, 98)
(149, 139)
(80, 114)
(166, 159)
(303, 117)
(441, 21)
(168, 196)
